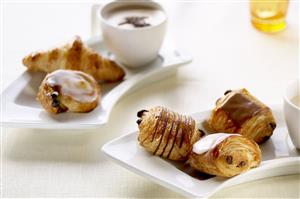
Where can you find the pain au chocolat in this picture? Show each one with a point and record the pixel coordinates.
(240, 112)
(166, 133)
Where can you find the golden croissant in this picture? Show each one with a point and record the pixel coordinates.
(227, 155)
(240, 112)
(75, 56)
(166, 133)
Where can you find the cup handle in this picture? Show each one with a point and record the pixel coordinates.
(95, 24)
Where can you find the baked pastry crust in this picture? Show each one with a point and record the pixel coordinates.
(75, 56)
(240, 112)
(166, 133)
(234, 155)
(54, 100)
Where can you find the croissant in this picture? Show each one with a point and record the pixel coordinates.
(75, 56)
(68, 90)
(224, 155)
(166, 133)
(240, 112)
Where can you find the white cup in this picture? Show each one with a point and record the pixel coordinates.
(292, 112)
(134, 47)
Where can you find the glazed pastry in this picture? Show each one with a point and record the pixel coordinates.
(166, 133)
(240, 112)
(68, 90)
(75, 56)
(224, 155)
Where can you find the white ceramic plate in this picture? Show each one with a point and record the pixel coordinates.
(20, 109)
(279, 158)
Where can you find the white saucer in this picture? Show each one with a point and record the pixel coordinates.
(279, 157)
(21, 110)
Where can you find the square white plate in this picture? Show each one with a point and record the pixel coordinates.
(279, 158)
(20, 108)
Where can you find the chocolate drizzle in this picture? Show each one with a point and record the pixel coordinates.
(169, 129)
(137, 22)
(162, 131)
(168, 137)
(172, 136)
(180, 135)
(191, 129)
(185, 131)
(175, 136)
(156, 126)
(240, 108)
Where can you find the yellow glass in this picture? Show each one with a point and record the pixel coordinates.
(269, 15)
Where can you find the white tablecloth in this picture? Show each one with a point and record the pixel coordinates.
(228, 53)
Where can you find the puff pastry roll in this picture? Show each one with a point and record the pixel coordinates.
(224, 155)
(240, 112)
(166, 133)
(68, 90)
(75, 56)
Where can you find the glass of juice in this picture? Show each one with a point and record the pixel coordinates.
(269, 15)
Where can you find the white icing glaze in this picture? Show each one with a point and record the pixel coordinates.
(210, 141)
(76, 84)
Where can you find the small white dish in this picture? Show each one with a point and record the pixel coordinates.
(279, 156)
(21, 110)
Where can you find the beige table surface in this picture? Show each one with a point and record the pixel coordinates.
(228, 53)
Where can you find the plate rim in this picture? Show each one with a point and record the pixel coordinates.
(166, 69)
(267, 164)
(140, 172)
(291, 162)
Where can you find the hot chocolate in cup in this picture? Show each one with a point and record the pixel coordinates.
(292, 111)
(133, 30)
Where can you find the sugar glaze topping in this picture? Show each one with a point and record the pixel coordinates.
(76, 84)
(210, 141)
